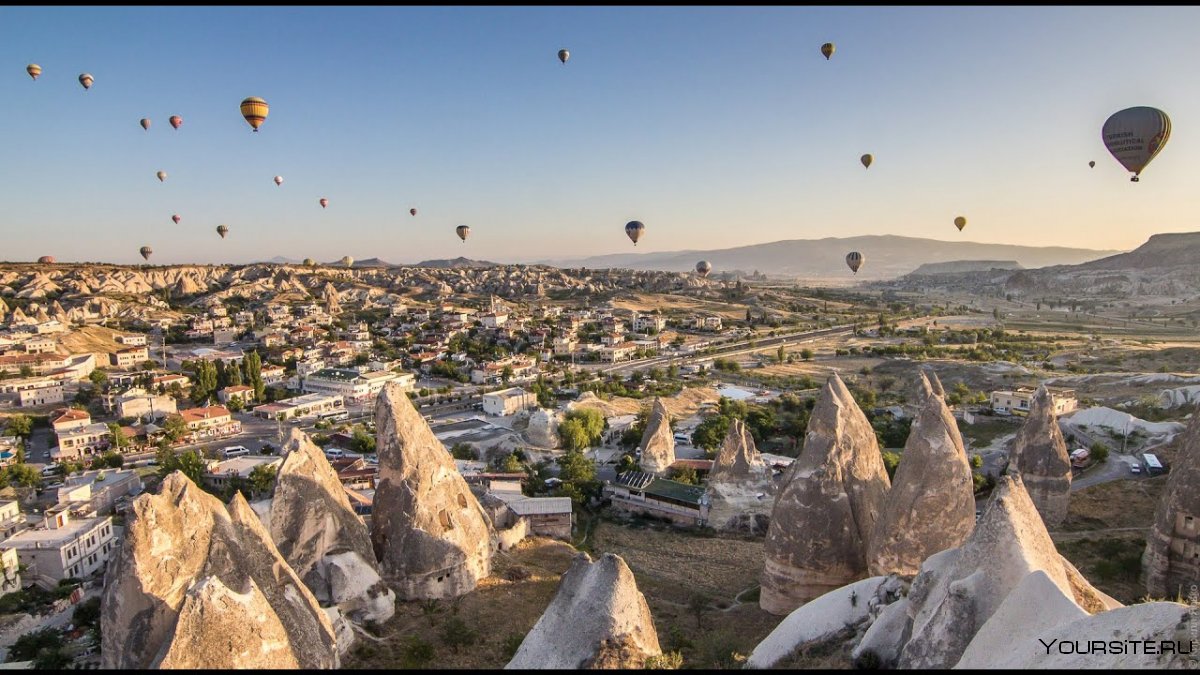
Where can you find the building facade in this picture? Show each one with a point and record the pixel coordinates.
(508, 401)
(63, 547)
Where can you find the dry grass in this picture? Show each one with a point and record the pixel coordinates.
(95, 339)
(648, 302)
(683, 404)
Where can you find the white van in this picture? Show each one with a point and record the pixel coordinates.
(335, 453)
(682, 438)
(234, 451)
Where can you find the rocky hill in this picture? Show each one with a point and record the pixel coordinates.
(960, 266)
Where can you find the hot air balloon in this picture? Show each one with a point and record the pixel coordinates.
(176, 121)
(34, 70)
(86, 80)
(146, 251)
(1092, 164)
(176, 218)
(279, 180)
(1135, 136)
(145, 123)
(634, 230)
(960, 223)
(703, 268)
(413, 211)
(324, 202)
(254, 109)
(827, 50)
(563, 55)
(162, 176)
(310, 262)
(866, 160)
(463, 231)
(222, 230)
(348, 261)
(46, 260)
(854, 260)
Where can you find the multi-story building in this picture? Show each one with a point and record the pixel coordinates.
(352, 385)
(130, 357)
(237, 392)
(272, 374)
(210, 422)
(87, 440)
(68, 419)
(508, 401)
(308, 405)
(565, 346)
(1017, 401)
(40, 345)
(645, 322)
(11, 518)
(98, 491)
(132, 339)
(138, 402)
(63, 546)
(616, 353)
(32, 392)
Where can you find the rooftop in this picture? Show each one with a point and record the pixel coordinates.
(508, 393)
(339, 374)
(242, 466)
(49, 538)
(533, 506)
(210, 412)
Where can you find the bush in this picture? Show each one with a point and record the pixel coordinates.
(456, 633)
(87, 613)
(1099, 452)
(30, 645)
(417, 652)
(666, 661)
(511, 644)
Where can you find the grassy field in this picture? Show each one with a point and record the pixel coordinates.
(95, 339)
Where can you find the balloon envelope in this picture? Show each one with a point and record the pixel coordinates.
(463, 231)
(703, 268)
(866, 160)
(162, 176)
(960, 223)
(255, 110)
(413, 211)
(854, 260)
(827, 49)
(145, 123)
(347, 261)
(279, 180)
(86, 80)
(146, 251)
(46, 260)
(324, 202)
(563, 55)
(34, 70)
(634, 230)
(222, 230)
(1092, 164)
(175, 121)
(176, 218)
(1135, 136)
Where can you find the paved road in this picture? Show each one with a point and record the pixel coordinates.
(735, 349)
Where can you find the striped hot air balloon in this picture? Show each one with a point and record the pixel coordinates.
(854, 260)
(222, 230)
(146, 251)
(255, 110)
(34, 70)
(634, 230)
(145, 123)
(463, 231)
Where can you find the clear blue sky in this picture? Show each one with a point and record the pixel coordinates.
(714, 126)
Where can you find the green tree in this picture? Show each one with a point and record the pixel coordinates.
(189, 462)
(710, 433)
(780, 354)
(98, 377)
(891, 460)
(1099, 452)
(362, 442)
(19, 425)
(581, 428)
(28, 646)
(21, 475)
(506, 374)
(262, 479)
(685, 475)
(119, 440)
(464, 451)
(806, 353)
(456, 633)
(976, 461)
(174, 427)
(253, 364)
(112, 459)
(511, 464)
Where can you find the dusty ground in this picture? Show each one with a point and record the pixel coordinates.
(95, 339)
(682, 405)
(648, 302)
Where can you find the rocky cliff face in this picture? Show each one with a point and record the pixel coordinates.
(1040, 456)
(190, 566)
(318, 533)
(658, 444)
(740, 491)
(959, 589)
(1170, 564)
(817, 539)
(597, 619)
(430, 535)
(543, 428)
(931, 506)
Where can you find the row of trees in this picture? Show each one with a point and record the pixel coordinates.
(212, 376)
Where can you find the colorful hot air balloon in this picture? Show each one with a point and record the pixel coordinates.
(279, 180)
(413, 211)
(1092, 164)
(866, 160)
(176, 218)
(86, 80)
(46, 260)
(1135, 136)
(960, 223)
(324, 202)
(34, 70)
(310, 262)
(162, 176)
(563, 55)
(347, 261)
(634, 230)
(145, 123)
(222, 230)
(463, 231)
(703, 268)
(827, 50)
(254, 109)
(146, 251)
(854, 260)
(176, 121)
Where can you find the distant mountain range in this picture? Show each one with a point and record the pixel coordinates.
(456, 263)
(887, 256)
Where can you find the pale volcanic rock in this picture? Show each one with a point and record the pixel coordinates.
(835, 491)
(931, 506)
(316, 530)
(740, 488)
(960, 589)
(222, 629)
(430, 535)
(1170, 565)
(935, 384)
(181, 537)
(597, 618)
(658, 442)
(543, 428)
(1040, 456)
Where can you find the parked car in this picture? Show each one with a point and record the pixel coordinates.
(235, 451)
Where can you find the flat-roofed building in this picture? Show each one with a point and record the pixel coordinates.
(130, 357)
(86, 440)
(99, 491)
(218, 473)
(1017, 401)
(213, 421)
(63, 546)
(508, 401)
(138, 402)
(354, 386)
(640, 492)
(45, 392)
(308, 405)
(132, 339)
